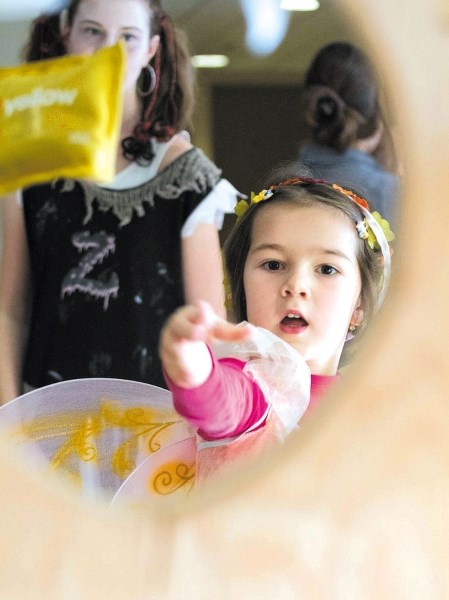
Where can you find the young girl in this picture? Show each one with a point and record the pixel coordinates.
(308, 264)
(96, 270)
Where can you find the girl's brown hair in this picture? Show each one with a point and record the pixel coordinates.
(300, 194)
(169, 108)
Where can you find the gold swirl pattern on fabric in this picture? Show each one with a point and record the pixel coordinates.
(130, 431)
(80, 443)
(172, 476)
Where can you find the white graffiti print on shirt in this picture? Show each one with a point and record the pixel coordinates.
(98, 247)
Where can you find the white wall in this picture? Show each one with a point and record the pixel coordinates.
(12, 38)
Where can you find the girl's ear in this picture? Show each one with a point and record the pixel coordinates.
(356, 320)
(64, 28)
(154, 45)
(358, 315)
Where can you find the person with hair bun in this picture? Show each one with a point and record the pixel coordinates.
(90, 272)
(351, 144)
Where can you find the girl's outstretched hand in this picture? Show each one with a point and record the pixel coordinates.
(182, 345)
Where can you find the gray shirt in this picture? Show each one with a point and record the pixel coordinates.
(358, 171)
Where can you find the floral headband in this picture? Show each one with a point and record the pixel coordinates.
(372, 228)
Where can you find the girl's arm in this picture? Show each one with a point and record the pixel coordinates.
(14, 281)
(201, 253)
(226, 405)
(203, 267)
(217, 397)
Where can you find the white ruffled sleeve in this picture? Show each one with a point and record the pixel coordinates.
(279, 370)
(221, 200)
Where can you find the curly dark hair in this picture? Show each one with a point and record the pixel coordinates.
(164, 112)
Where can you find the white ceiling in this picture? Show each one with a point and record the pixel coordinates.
(217, 26)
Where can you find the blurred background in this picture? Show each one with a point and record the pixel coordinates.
(248, 113)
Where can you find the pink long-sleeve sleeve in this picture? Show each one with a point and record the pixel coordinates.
(226, 405)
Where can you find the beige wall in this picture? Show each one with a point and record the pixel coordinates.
(12, 35)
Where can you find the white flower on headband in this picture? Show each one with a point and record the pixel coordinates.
(362, 230)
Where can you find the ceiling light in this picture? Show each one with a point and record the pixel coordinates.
(210, 61)
(266, 25)
(300, 4)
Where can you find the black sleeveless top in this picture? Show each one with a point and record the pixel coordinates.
(107, 272)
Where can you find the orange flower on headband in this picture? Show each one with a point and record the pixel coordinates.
(242, 206)
(357, 199)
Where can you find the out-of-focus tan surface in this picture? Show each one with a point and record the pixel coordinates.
(355, 504)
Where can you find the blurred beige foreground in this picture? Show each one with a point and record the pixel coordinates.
(354, 507)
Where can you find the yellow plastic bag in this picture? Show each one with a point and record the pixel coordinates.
(61, 118)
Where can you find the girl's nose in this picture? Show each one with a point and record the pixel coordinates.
(107, 40)
(297, 284)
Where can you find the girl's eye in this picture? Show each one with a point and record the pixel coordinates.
(93, 31)
(272, 265)
(128, 37)
(327, 270)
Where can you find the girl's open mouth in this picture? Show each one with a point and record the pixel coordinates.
(293, 323)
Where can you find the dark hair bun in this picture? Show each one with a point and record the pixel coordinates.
(326, 108)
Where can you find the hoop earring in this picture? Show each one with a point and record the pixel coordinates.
(144, 93)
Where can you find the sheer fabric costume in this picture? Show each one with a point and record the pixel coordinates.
(106, 265)
(124, 440)
(252, 399)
